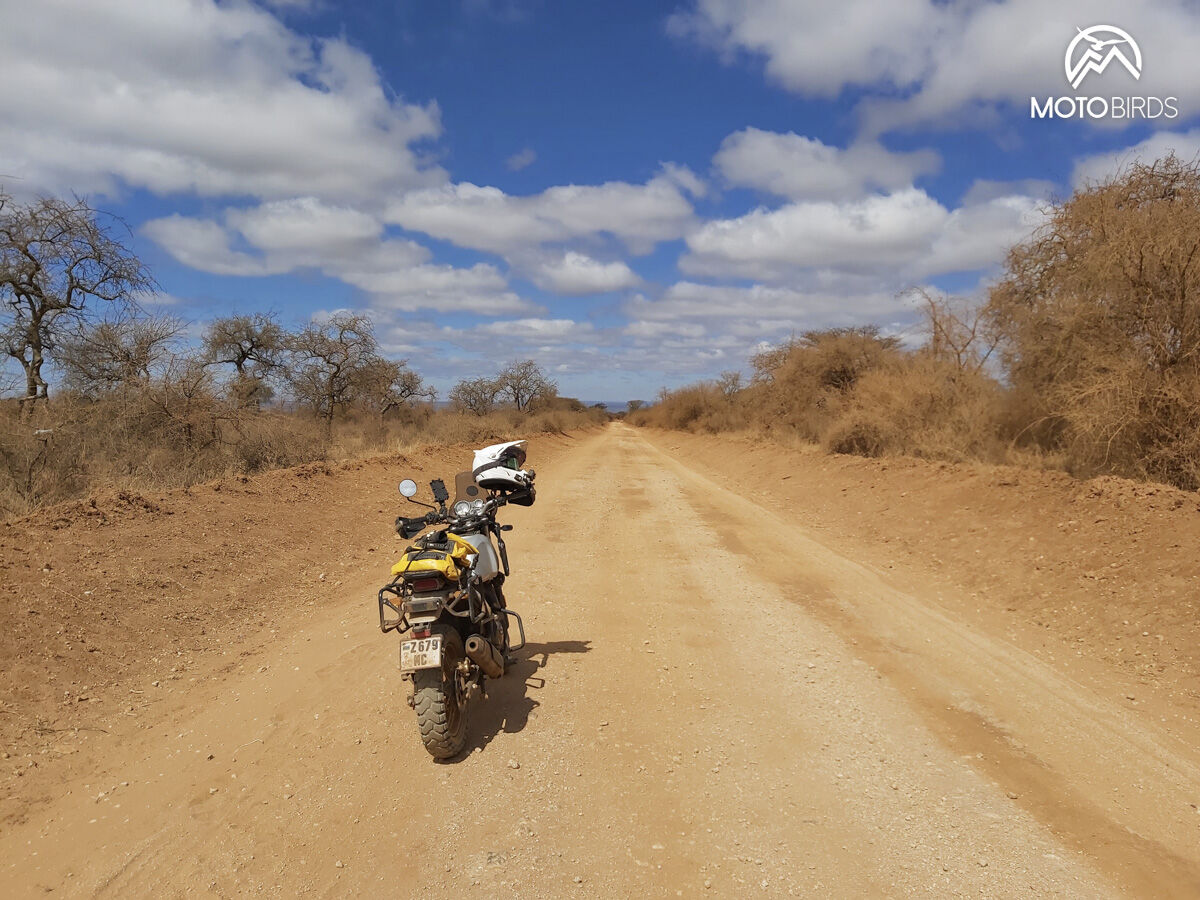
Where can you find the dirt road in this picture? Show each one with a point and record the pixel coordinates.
(713, 703)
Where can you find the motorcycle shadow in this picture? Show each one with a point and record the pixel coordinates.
(508, 703)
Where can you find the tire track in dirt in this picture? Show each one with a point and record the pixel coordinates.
(1022, 724)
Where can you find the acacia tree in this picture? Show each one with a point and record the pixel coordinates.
(254, 345)
(960, 332)
(58, 262)
(477, 395)
(730, 383)
(100, 357)
(327, 363)
(524, 382)
(386, 384)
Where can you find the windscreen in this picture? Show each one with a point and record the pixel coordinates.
(465, 487)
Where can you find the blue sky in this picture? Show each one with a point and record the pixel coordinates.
(634, 194)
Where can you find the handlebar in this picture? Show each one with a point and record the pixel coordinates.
(410, 527)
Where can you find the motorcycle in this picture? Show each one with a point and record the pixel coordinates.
(446, 600)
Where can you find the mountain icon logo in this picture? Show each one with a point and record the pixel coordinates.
(1092, 49)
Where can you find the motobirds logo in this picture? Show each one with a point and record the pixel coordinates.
(1091, 52)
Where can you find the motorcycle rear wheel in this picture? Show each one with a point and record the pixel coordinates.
(441, 703)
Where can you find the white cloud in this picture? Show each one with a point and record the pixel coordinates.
(985, 189)
(906, 234)
(578, 274)
(881, 230)
(816, 47)
(192, 96)
(522, 159)
(540, 331)
(1185, 145)
(480, 289)
(754, 312)
(650, 330)
(634, 360)
(449, 353)
(566, 347)
(285, 235)
(223, 99)
(683, 177)
(947, 59)
(977, 236)
(291, 235)
(698, 329)
(304, 224)
(486, 218)
(993, 55)
(803, 168)
(159, 299)
(203, 244)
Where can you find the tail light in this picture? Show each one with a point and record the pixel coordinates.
(420, 585)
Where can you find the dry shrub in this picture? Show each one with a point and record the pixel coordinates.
(37, 464)
(919, 405)
(802, 387)
(706, 407)
(798, 389)
(270, 440)
(1100, 315)
(853, 390)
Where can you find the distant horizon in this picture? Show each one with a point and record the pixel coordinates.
(610, 405)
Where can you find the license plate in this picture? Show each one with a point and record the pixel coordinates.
(423, 653)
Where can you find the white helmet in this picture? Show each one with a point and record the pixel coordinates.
(498, 467)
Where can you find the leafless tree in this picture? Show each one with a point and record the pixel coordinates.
(327, 361)
(185, 397)
(524, 382)
(58, 261)
(477, 395)
(386, 384)
(959, 331)
(730, 383)
(119, 352)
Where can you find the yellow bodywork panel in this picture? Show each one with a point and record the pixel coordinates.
(448, 565)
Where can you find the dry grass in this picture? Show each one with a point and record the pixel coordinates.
(72, 447)
(919, 406)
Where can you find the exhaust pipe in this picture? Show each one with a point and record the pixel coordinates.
(484, 655)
